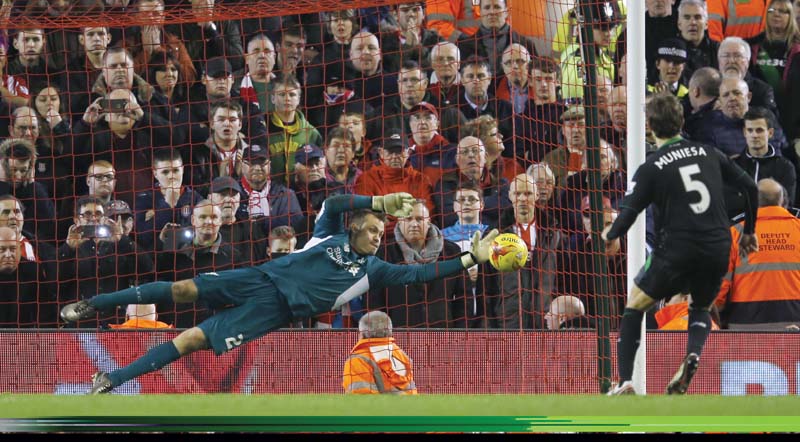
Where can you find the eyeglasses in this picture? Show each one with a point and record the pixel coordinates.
(103, 177)
(476, 151)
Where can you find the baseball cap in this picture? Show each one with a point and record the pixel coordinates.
(117, 207)
(425, 106)
(573, 113)
(218, 67)
(255, 152)
(394, 140)
(221, 183)
(586, 204)
(306, 153)
(673, 49)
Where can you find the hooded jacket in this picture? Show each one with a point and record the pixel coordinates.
(284, 140)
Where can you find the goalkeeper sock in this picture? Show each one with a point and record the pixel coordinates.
(151, 293)
(628, 342)
(153, 360)
(699, 329)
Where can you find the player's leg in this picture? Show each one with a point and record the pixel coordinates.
(630, 334)
(150, 293)
(157, 357)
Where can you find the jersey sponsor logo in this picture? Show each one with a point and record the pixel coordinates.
(678, 154)
(336, 254)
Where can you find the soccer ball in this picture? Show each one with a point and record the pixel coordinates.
(509, 253)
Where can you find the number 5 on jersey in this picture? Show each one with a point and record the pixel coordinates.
(695, 186)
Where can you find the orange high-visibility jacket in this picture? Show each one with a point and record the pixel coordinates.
(735, 18)
(676, 317)
(376, 366)
(452, 18)
(764, 287)
(141, 323)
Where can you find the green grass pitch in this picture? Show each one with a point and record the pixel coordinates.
(27, 406)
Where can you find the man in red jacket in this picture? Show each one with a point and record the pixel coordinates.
(393, 174)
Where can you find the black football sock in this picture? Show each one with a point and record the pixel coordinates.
(628, 342)
(699, 329)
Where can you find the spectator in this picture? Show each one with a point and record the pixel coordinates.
(19, 290)
(357, 117)
(412, 85)
(701, 99)
(734, 58)
(141, 316)
(675, 314)
(604, 20)
(515, 86)
(310, 182)
(618, 112)
(144, 40)
(31, 64)
(485, 128)
(431, 153)
(288, 129)
(52, 158)
(221, 154)
(17, 160)
(101, 180)
(412, 41)
(476, 77)
(467, 312)
(120, 212)
(452, 19)
(97, 257)
(13, 90)
(266, 201)
(723, 128)
(12, 215)
(568, 160)
(282, 241)
(83, 70)
(418, 241)
(364, 71)
(168, 203)
(692, 27)
(247, 236)
(737, 19)
(215, 87)
(290, 48)
(662, 22)
(577, 268)
(761, 160)
(124, 137)
(760, 292)
(341, 25)
(774, 61)
(256, 84)
(368, 372)
(446, 78)
(567, 312)
(518, 300)
(537, 128)
(568, 27)
(394, 174)
(493, 36)
(206, 252)
(341, 173)
(207, 38)
(548, 212)
(170, 94)
(670, 59)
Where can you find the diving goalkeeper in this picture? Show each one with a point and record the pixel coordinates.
(334, 267)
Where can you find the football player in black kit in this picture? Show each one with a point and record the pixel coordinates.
(685, 181)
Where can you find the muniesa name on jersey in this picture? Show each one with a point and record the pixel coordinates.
(686, 152)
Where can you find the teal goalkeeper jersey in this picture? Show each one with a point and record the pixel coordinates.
(327, 273)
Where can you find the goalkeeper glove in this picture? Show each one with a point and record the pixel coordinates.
(397, 204)
(480, 250)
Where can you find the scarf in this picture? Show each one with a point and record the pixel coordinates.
(258, 200)
(291, 128)
(342, 98)
(434, 243)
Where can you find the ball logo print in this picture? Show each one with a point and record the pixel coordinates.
(509, 253)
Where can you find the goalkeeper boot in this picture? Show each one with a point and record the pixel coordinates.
(101, 383)
(680, 382)
(77, 311)
(621, 389)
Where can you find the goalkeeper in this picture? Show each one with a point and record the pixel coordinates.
(334, 267)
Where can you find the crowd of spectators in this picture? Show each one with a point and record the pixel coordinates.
(160, 151)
